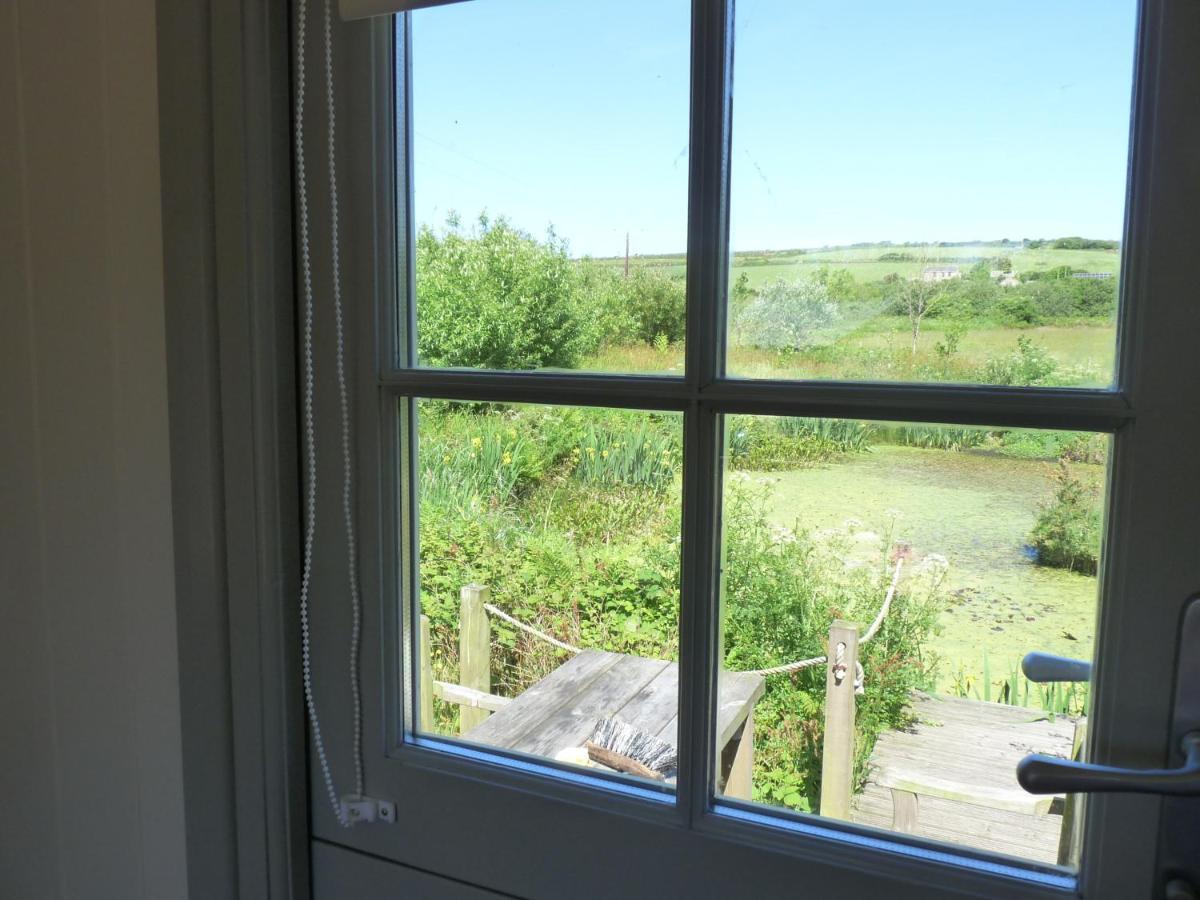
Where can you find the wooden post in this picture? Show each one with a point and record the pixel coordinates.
(474, 651)
(425, 711)
(904, 811)
(740, 783)
(1070, 836)
(837, 756)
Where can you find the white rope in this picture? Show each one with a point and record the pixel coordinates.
(773, 670)
(871, 632)
(887, 605)
(310, 442)
(529, 629)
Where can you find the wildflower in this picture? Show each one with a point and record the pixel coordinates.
(591, 451)
(604, 454)
(446, 460)
(476, 443)
(507, 459)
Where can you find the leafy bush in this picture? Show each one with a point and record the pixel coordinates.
(782, 590)
(496, 299)
(786, 314)
(655, 303)
(1067, 531)
(766, 444)
(1030, 364)
(590, 553)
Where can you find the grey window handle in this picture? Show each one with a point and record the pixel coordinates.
(1040, 774)
(1045, 667)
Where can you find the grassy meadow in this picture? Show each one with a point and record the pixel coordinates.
(865, 265)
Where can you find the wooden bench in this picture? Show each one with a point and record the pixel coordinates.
(959, 760)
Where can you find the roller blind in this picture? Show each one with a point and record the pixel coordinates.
(362, 9)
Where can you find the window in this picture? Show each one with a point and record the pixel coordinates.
(555, 541)
(702, 520)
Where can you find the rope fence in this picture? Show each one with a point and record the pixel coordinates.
(786, 668)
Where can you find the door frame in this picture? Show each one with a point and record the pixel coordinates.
(224, 86)
(239, 462)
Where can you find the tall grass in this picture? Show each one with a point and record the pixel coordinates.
(1014, 689)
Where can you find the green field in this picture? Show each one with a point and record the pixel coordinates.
(864, 264)
(1087, 349)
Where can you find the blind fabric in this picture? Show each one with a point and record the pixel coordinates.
(363, 9)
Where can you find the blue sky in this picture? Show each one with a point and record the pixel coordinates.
(853, 121)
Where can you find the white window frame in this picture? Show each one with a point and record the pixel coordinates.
(526, 824)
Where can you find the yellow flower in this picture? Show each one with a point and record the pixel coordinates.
(446, 459)
(591, 451)
(476, 442)
(512, 432)
(604, 454)
(507, 458)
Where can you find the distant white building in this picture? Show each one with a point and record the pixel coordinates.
(940, 273)
(1092, 275)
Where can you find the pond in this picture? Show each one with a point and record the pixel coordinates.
(975, 509)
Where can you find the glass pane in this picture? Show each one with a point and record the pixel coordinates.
(550, 163)
(549, 572)
(923, 193)
(937, 557)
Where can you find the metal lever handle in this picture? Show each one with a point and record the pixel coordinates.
(1040, 774)
(1044, 667)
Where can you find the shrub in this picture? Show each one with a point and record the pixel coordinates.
(766, 444)
(782, 590)
(786, 314)
(1067, 531)
(655, 303)
(496, 299)
(1031, 364)
(592, 556)
(600, 296)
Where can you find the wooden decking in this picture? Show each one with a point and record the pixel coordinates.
(968, 750)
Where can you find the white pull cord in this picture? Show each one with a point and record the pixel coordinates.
(310, 442)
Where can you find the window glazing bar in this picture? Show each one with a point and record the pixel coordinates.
(707, 272)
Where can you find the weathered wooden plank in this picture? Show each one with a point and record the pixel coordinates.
(740, 783)
(425, 680)
(468, 697)
(926, 784)
(474, 651)
(998, 771)
(1014, 834)
(606, 695)
(655, 708)
(905, 810)
(737, 692)
(543, 699)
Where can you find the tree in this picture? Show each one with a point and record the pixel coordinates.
(496, 298)
(786, 314)
(918, 297)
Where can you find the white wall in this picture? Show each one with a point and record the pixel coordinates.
(91, 800)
